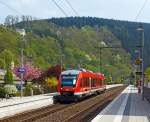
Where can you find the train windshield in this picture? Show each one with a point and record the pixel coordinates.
(68, 80)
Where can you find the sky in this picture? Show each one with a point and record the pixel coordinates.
(111, 9)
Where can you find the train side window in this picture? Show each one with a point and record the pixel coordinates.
(93, 82)
(84, 82)
(98, 81)
(81, 82)
(101, 82)
(87, 81)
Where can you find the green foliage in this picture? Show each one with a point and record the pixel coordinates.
(2, 63)
(3, 92)
(6, 58)
(147, 74)
(52, 81)
(125, 31)
(36, 90)
(46, 42)
(29, 86)
(11, 89)
(50, 85)
(8, 78)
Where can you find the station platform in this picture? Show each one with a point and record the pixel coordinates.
(15, 105)
(127, 107)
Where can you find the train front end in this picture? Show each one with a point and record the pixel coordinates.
(67, 86)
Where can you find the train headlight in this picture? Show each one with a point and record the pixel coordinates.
(74, 81)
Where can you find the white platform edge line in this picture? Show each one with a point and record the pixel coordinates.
(119, 115)
(102, 113)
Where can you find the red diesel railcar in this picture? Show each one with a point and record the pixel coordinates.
(74, 85)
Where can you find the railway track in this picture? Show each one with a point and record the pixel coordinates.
(68, 112)
(81, 110)
(35, 114)
(89, 112)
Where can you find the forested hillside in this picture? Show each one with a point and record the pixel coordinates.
(46, 42)
(125, 31)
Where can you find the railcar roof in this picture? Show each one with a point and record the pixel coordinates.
(71, 72)
(76, 72)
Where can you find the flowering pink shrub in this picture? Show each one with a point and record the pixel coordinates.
(30, 73)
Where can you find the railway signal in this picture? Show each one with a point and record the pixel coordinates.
(138, 61)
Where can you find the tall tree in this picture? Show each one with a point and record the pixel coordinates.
(8, 78)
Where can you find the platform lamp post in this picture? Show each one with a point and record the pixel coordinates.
(21, 69)
(141, 31)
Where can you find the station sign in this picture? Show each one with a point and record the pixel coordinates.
(21, 70)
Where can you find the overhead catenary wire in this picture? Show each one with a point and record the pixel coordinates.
(72, 8)
(14, 10)
(60, 8)
(140, 11)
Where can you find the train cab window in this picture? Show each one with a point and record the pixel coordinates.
(68, 80)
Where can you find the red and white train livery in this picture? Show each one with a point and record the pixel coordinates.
(74, 85)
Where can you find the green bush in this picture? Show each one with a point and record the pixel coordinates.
(36, 91)
(2, 92)
(29, 85)
(10, 89)
(46, 89)
(18, 93)
(26, 92)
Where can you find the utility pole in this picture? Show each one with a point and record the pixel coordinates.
(100, 54)
(141, 32)
(30, 60)
(61, 62)
(60, 50)
(100, 59)
(21, 69)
